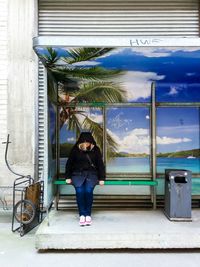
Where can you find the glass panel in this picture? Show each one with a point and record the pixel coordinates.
(51, 140)
(52, 113)
(128, 128)
(81, 119)
(67, 140)
(48, 184)
(52, 129)
(196, 186)
(178, 139)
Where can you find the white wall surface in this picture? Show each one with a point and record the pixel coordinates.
(18, 85)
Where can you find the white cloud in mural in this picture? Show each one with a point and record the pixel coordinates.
(189, 74)
(187, 49)
(115, 51)
(173, 91)
(86, 63)
(140, 131)
(144, 51)
(71, 139)
(178, 130)
(162, 52)
(169, 140)
(96, 117)
(176, 88)
(138, 141)
(152, 52)
(61, 62)
(137, 84)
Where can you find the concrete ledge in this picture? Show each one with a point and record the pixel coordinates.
(118, 229)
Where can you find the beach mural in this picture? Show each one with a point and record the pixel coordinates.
(51, 140)
(124, 76)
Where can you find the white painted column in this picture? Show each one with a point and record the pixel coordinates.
(3, 83)
(18, 85)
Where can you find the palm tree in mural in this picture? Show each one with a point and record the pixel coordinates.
(84, 84)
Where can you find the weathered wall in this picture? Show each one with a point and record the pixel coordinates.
(18, 85)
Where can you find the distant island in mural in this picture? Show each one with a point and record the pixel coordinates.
(193, 153)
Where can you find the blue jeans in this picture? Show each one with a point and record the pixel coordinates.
(84, 197)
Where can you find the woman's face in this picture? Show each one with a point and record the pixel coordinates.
(84, 146)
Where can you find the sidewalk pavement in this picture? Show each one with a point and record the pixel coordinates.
(20, 251)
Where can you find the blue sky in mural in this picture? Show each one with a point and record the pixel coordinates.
(52, 122)
(177, 129)
(70, 136)
(67, 136)
(177, 75)
(175, 70)
(131, 128)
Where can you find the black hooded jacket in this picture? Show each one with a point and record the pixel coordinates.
(78, 159)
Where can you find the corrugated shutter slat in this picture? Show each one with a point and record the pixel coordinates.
(119, 18)
(41, 84)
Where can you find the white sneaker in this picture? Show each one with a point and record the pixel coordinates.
(82, 220)
(88, 220)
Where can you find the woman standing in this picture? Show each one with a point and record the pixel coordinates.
(85, 169)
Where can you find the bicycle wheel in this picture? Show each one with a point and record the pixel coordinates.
(24, 211)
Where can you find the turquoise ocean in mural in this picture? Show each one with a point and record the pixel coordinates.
(141, 165)
(124, 164)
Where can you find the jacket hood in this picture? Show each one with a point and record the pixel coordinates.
(86, 137)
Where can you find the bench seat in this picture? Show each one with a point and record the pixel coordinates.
(137, 182)
(117, 182)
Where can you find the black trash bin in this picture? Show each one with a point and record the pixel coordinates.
(178, 195)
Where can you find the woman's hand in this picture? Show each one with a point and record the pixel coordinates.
(68, 181)
(101, 182)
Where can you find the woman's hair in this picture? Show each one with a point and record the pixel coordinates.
(86, 137)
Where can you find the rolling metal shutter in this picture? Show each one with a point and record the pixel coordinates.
(166, 18)
(119, 18)
(40, 121)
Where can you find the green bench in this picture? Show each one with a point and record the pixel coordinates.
(141, 182)
(118, 182)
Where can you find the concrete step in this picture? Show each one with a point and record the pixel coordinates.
(147, 229)
(120, 202)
